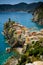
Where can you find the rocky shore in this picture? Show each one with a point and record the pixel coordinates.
(38, 15)
(29, 44)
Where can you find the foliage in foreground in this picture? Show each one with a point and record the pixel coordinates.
(33, 53)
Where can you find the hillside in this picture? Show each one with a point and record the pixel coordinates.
(19, 7)
(38, 14)
(29, 45)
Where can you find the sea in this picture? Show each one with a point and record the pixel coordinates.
(24, 19)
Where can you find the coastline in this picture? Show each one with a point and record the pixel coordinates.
(25, 36)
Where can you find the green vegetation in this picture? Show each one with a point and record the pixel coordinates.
(8, 24)
(40, 13)
(32, 53)
(11, 34)
(8, 31)
(24, 59)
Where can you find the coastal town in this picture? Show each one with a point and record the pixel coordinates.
(21, 32)
(26, 41)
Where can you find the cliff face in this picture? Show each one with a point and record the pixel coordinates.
(38, 14)
(35, 18)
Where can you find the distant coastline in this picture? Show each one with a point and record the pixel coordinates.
(19, 7)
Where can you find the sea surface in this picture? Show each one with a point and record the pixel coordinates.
(24, 19)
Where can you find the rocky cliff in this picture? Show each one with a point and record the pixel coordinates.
(38, 14)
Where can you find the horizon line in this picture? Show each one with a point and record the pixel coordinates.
(20, 2)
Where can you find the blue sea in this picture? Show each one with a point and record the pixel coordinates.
(21, 17)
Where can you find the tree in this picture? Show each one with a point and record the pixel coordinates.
(9, 20)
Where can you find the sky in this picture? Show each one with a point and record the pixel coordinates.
(17, 1)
